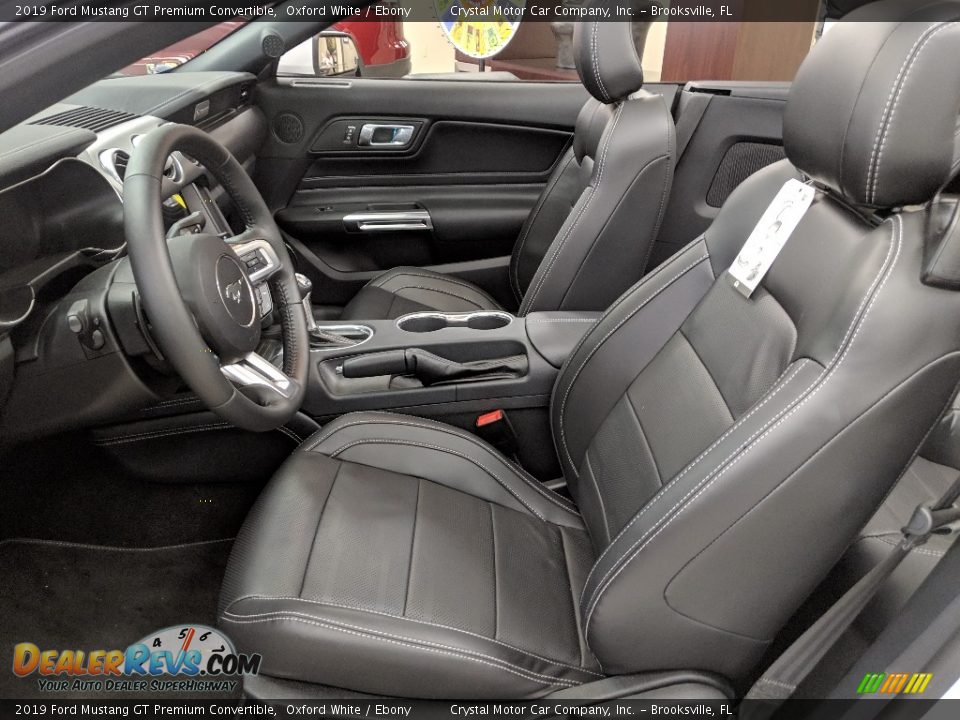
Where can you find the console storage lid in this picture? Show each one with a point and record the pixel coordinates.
(555, 334)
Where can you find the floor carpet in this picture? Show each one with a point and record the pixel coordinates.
(74, 596)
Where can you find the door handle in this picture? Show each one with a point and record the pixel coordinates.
(388, 135)
(372, 221)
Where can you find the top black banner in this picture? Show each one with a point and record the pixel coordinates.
(495, 11)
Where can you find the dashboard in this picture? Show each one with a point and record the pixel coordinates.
(61, 201)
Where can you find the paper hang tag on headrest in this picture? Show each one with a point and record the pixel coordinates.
(766, 241)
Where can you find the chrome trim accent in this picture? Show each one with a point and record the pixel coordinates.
(254, 369)
(108, 161)
(402, 135)
(456, 320)
(364, 330)
(372, 221)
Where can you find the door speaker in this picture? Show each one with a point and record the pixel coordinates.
(288, 127)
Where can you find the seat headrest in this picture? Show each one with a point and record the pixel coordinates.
(872, 114)
(607, 54)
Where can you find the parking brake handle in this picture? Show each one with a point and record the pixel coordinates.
(431, 369)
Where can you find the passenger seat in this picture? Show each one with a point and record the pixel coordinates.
(589, 236)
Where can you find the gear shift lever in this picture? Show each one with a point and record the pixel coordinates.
(305, 286)
(320, 337)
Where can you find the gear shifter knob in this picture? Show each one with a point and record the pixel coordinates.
(305, 286)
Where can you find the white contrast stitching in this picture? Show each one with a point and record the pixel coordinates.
(385, 637)
(596, 63)
(781, 383)
(573, 380)
(856, 324)
(412, 443)
(593, 321)
(895, 540)
(777, 683)
(576, 221)
(521, 473)
(112, 548)
(515, 267)
(419, 622)
(886, 121)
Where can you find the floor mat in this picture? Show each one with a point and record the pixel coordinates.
(72, 596)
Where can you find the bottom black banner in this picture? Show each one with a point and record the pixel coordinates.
(470, 710)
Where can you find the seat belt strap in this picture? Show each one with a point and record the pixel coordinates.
(783, 677)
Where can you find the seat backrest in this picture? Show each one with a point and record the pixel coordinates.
(589, 236)
(724, 449)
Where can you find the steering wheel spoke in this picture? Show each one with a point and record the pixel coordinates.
(257, 255)
(254, 370)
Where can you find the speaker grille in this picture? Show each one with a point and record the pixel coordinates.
(288, 127)
(272, 45)
(740, 162)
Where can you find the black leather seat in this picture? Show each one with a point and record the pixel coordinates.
(589, 236)
(722, 451)
(426, 552)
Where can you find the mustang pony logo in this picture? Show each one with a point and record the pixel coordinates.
(233, 291)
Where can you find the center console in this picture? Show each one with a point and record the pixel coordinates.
(437, 363)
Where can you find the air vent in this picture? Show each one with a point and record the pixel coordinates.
(87, 118)
(115, 163)
(120, 162)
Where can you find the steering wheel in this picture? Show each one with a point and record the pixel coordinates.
(203, 310)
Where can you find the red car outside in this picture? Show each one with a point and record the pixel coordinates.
(381, 46)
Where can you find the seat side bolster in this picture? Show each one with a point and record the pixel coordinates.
(442, 454)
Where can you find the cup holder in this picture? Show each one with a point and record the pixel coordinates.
(430, 322)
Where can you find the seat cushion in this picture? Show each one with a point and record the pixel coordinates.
(399, 556)
(405, 290)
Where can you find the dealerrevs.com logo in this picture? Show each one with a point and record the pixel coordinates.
(187, 658)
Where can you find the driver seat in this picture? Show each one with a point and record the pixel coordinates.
(710, 441)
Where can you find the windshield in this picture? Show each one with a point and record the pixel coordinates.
(182, 51)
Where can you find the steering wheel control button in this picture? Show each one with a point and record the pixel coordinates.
(235, 291)
(264, 299)
(259, 259)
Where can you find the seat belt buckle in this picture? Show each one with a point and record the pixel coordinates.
(496, 429)
(926, 521)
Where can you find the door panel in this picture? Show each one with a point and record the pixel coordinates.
(477, 158)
